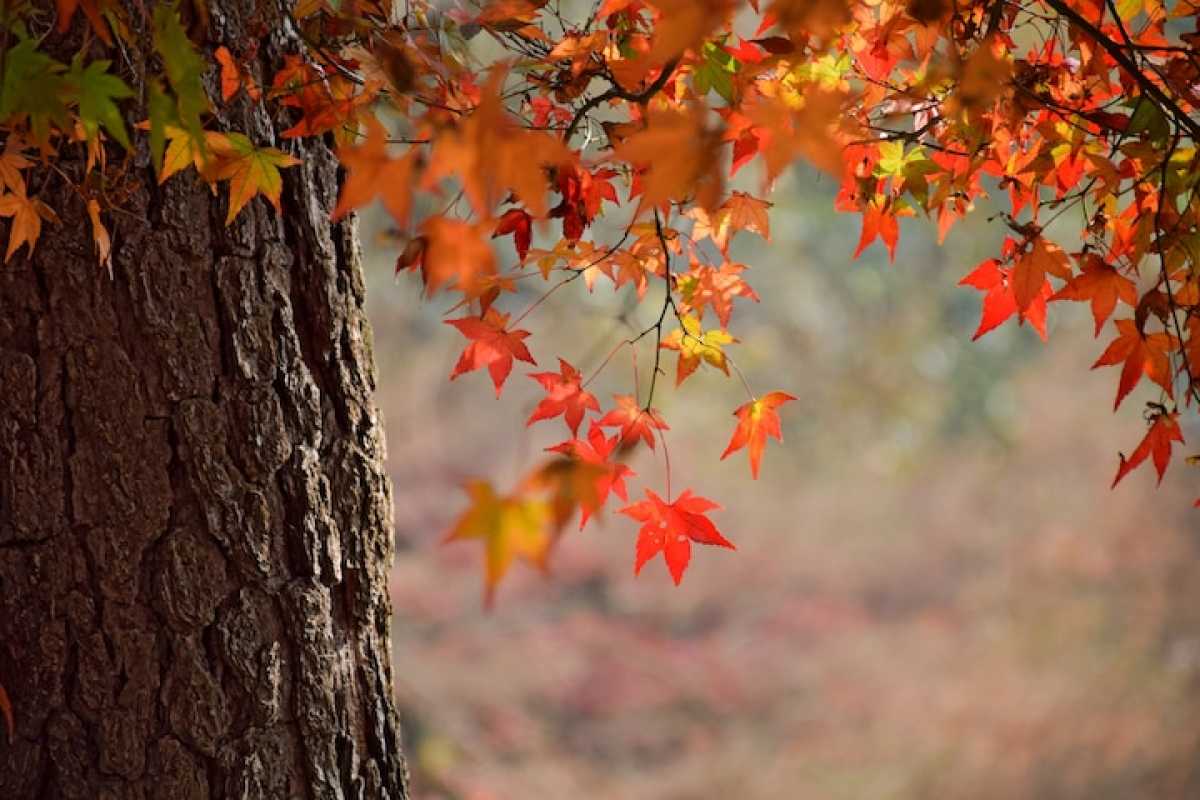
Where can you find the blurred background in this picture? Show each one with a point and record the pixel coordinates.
(935, 593)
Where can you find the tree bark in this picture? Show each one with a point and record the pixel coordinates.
(195, 522)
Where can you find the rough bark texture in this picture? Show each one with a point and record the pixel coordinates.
(195, 524)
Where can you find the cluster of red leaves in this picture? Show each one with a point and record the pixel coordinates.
(918, 108)
(641, 114)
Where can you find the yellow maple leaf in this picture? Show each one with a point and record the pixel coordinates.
(509, 526)
(695, 345)
(250, 171)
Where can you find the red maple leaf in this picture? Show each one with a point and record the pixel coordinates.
(756, 421)
(1164, 429)
(1000, 302)
(596, 450)
(517, 222)
(564, 395)
(1142, 355)
(879, 222)
(634, 421)
(1103, 286)
(491, 346)
(670, 529)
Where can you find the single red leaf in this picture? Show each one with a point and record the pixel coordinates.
(492, 346)
(1156, 445)
(564, 395)
(756, 421)
(1139, 355)
(634, 421)
(670, 529)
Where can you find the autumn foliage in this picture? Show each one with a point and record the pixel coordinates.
(590, 147)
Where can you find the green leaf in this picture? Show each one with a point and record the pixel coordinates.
(33, 86)
(162, 113)
(716, 72)
(184, 68)
(1148, 119)
(96, 91)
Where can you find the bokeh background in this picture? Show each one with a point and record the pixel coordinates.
(935, 593)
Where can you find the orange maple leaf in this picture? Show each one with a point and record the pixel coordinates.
(27, 214)
(373, 172)
(670, 529)
(492, 346)
(677, 157)
(234, 76)
(1140, 355)
(756, 421)
(1164, 429)
(634, 421)
(1000, 303)
(564, 395)
(454, 249)
(1101, 284)
(1029, 273)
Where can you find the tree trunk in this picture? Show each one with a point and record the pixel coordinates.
(195, 523)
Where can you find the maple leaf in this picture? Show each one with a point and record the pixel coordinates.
(492, 346)
(634, 421)
(373, 172)
(999, 303)
(564, 395)
(1101, 284)
(740, 212)
(879, 222)
(27, 214)
(1164, 429)
(510, 527)
(32, 87)
(677, 156)
(491, 155)
(183, 149)
(12, 161)
(97, 92)
(185, 73)
(1139, 355)
(517, 222)
(694, 346)
(454, 249)
(705, 286)
(250, 171)
(1029, 273)
(572, 483)
(756, 421)
(234, 76)
(597, 450)
(670, 529)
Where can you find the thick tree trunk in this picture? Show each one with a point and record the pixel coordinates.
(195, 524)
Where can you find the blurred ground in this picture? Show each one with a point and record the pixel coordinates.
(935, 594)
